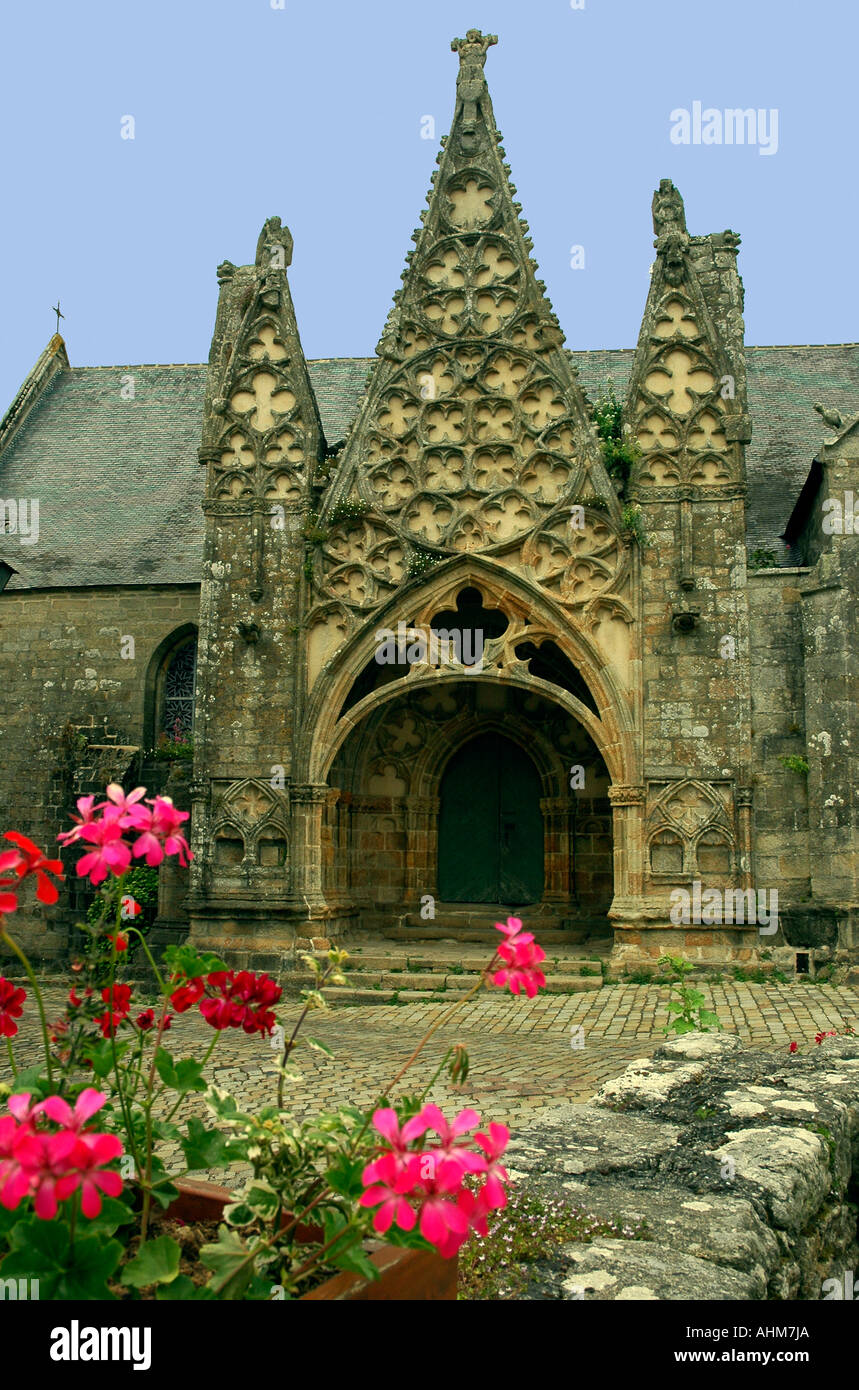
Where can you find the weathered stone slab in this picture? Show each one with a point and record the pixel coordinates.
(584, 1138)
(790, 1167)
(723, 1229)
(626, 1270)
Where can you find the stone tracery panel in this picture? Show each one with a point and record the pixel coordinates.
(690, 828)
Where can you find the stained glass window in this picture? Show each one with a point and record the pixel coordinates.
(177, 718)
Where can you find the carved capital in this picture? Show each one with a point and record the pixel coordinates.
(310, 794)
(626, 796)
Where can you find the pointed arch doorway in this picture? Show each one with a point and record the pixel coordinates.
(490, 828)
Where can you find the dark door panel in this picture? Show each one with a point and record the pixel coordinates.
(490, 833)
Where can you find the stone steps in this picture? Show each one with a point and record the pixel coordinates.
(376, 976)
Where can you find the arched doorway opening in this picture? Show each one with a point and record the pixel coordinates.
(490, 826)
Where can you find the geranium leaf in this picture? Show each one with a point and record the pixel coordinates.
(156, 1262)
(228, 1258)
(112, 1215)
(203, 1148)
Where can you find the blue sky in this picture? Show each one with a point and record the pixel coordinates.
(313, 112)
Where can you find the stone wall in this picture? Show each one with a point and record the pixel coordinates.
(71, 705)
(778, 715)
(742, 1164)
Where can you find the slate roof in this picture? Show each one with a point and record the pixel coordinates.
(119, 485)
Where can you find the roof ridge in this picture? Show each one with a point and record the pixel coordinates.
(371, 357)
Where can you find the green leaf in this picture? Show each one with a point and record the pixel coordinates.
(319, 1046)
(183, 1288)
(102, 1056)
(190, 1074)
(42, 1251)
(228, 1258)
(112, 1215)
(345, 1176)
(186, 960)
(347, 1253)
(204, 1148)
(156, 1262)
(32, 1080)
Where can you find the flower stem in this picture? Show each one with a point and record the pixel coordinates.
(4, 936)
(11, 1058)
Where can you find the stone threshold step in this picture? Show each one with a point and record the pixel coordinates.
(561, 936)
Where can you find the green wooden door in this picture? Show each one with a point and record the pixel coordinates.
(490, 830)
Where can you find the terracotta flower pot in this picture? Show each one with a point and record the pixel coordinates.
(406, 1275)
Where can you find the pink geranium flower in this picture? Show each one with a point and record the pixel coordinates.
(520, 971)
(450, 1157)
(512, 929)
(86, 805)
(159, 827)
(86, 1105)
(122, 801)
(88, 1158)
(111, 855)
(493, 1145)
(389, 1183)
(45, 1160)
(388, 1125)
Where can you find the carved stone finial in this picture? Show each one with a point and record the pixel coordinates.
(274, 248)
(668, 210)
(225, 272)
(832, 418)
(472, 60)
(471, 83)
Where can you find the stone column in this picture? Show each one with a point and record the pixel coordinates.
(421, 848)
(744, 817)
(557, 813)
(308, 802)
(627, 803)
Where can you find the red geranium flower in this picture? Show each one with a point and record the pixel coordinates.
(240, 1000)
(186, 994)
(146, 1020)
(118, 999)
(11, 1007)
(33, 861)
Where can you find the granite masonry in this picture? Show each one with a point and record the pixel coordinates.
(198, 565)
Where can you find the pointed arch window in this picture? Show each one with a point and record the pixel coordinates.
(176, 706)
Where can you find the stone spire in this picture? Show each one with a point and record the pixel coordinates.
(261, 430)
(473, 426)
(686, 400)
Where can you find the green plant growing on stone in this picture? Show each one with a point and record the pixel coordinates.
(421, 562)
(524, 1235)
(174, 749)
(795, 763)
(350, 510)
(633, 524)
(684, 1003)
(763, 559)
(618, 449)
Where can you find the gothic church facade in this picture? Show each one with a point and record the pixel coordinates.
(640, 710)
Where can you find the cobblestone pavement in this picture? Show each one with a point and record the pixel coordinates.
(521, 1051)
